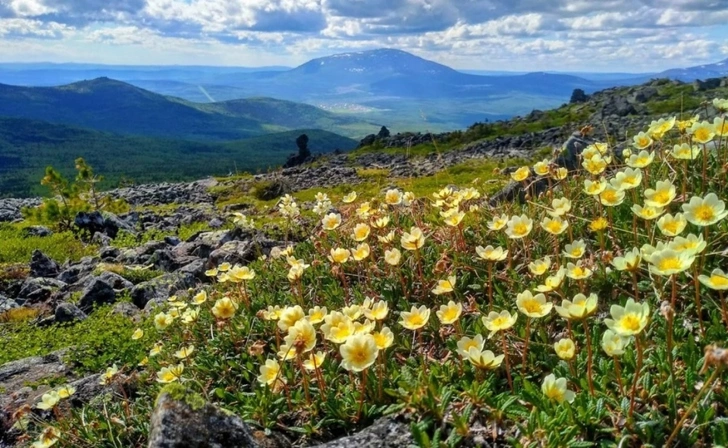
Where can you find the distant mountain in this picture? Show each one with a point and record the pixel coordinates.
(716, 70)
(108, 105)
(28, 146)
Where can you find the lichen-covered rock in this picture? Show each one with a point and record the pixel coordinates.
(41, 265)
(386, 432)
(98, 292)
(181, 420)
(68, 312)
(160, 288)
(35, 290)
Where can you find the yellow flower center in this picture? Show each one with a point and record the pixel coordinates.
(643, 141)
(661, 197)
(415, 320)
(610, 196)
(500, 322)
(631, 322)
(520, 229)
(532, 306)
(705, 212)
(667, 264)
(671, 226)
(702, 134)
(719, 280)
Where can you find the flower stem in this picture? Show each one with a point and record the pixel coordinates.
(690, 409)
(588, 358)
(618, 374)
(508, 363)
(525, 346)
(637, 371)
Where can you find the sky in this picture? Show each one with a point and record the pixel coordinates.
(517, 35)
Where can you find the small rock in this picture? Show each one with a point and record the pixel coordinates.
(126, 309)
(109, 253)
(160, 288)
(42, 266)
(7, 304)
(35, 290)
(68, 312)
(40, 231)
(386, 432)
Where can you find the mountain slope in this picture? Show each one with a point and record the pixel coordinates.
(28, 146)
(716, 70)
(109, 105)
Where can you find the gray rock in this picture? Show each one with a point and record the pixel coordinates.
(73, 273)
(116, 281)
(384, 433)
(40, 231)
(98, 292)
(109, 253)
(179, 424)
(7, 304)
(35, 290)
(196, 268)
(10, 208)
(42, 266)
(126, 309)
(160, 288)
(172, 240)
(68, 312)
(241, 252)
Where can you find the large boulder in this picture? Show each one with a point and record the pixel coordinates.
(68, 312)
(73, 273)
(97, 292)
(161, 288)
(41, 265)
(387, 432)
(35, 290)
(183, 420)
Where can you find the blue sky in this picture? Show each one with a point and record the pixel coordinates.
(522, 35)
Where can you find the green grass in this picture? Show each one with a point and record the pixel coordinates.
(61, 246)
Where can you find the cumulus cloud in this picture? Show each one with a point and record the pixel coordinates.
(515, 34)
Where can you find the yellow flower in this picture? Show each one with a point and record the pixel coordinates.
(595, 165)
(554, 226)
(301, 336)
(718, 280)
(704, 211)
(641, 160)
(314, 361)
(672, 225)
(289, 316)
(533, 306)
(498, 222)
(295, 273)
(156, 349)
(393, 197)
(490, 253)
(363, 210)
(378, 311)
(224, 308)
(386, 239)
(349, 198)
(184, 352)
(381, 222)
(361, 232)
(691, 244)
(593, 188)
(211, 272)
(138, 334)
(338, 329)
(542, 168)
(170, 374)
(331, 221)
(416, 318)
(598, 224)
(339, 255)
(162, 321)
(361, 252)
(241, 273)
(720, 104)
(48, 401)
(702, 132)
(577, 249)
(662, 195)
(190, 316)
(269, 372)
(200, 298)
(317, 314)
(720, 126)
(384, 338)
(630, 319)
(579, 307)
(66, 391)
(565, 349)
(577, 271)
(413, 240)
(560, 173)
(668, 262)
(359, 352)
(560, 206)
(445, 286)
(224, 267)
(496, 322)
(555, 389)
(611, 196)
(519, 226)
(450, 313)
(484, 359)
(552, 282)
(685, 151)
(521, 174)
(629, 262)
(614, 344)
(47, 438)
(661, 127)
(647, 212)
(641, 141)
(454, 219)
(465, 344)
(626, 180)
(539, 267)
(393, 256)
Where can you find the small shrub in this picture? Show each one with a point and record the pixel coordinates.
(22, 314)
